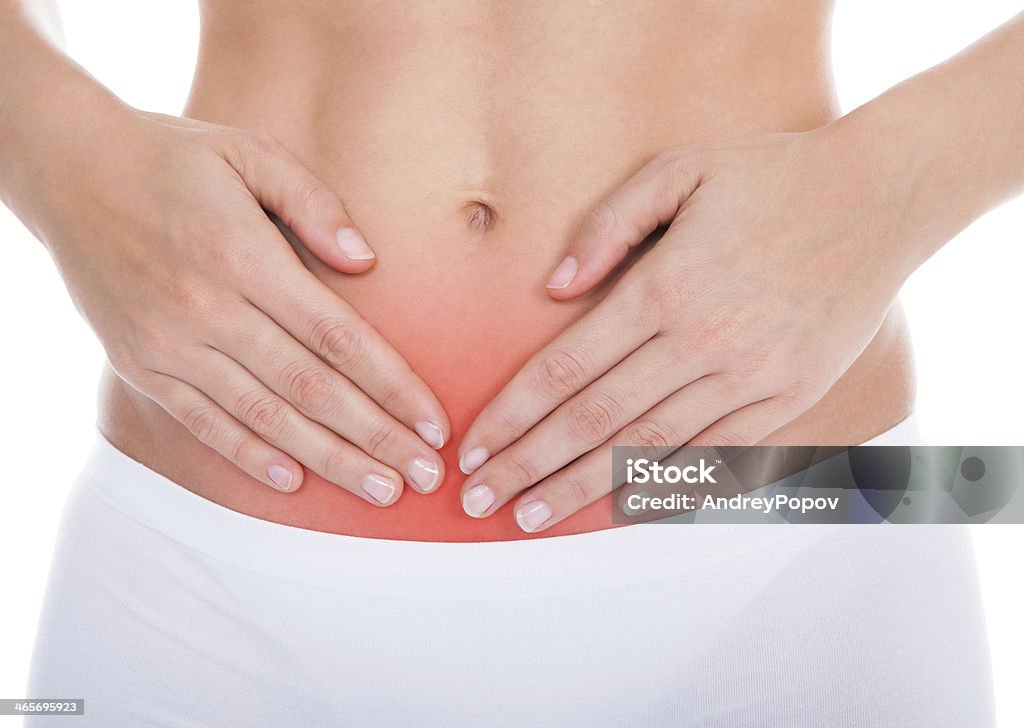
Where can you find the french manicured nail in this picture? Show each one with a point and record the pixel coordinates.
(532, 516)
(352, 245)
(281, 477)
(473, 460)
(477, 500)
(632, 505)
(424, 474)
(430, 434)
(378, 488)
(564, 273)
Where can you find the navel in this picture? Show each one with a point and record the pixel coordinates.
(480, 217)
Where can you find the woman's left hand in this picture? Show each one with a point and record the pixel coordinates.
(781, 257)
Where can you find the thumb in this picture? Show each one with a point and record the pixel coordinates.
(649, 199)
(306, 205)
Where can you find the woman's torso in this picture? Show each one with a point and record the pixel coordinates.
(468, 140)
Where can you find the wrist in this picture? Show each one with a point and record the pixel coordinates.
(60, 123)
(950, 136)
(890, 153)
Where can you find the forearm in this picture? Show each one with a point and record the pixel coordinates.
(51, 111)
(950, 137)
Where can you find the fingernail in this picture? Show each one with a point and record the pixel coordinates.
(477, 500)
(630, 510)
(280, 477)
(564, 273)
(533, 515)
(378, 488)
(424, 474)
(473, 460)
(352, 245)
(430, 434)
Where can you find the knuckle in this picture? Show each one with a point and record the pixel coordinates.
(643, 318)
(522, 472)
(249, 338)
(601, 220)
(311, 388)
(671, 293)
(250, 150)
(239, 260)
(185, 296)
(723, 438)
(338, 342)
(264, 413)
(124, 362)
(648, 434)
(246, 144)
(680, 170)
(244, 450)
(313, 195)
(391, 393)
(336, 464)
(210, 237)
(677, 155)
(753, 365)
(593, 418)
(561, 374)
(149, 351)
(804, 390)
(631, 306)
(202, 421)
(683, 159)
(712, 337)
(512, 423)
(577, 490)
(202, 308)
(382, 439)
(262, 141)
(157, 348)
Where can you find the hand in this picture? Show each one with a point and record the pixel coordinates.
(780, 260)
(203, 306)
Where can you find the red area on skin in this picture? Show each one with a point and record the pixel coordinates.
(466, 310)
(465, 330)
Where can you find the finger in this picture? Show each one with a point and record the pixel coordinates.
(270, 417)
(325, 396)
(218, 430)
(749, 425)
(585, 351)
(624, 219)
(330, 328)
(580, 425)
(673, 422)
(311, 209)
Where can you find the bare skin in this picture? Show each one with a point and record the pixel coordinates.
(470, 144)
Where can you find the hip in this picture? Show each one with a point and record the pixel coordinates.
(167, 609)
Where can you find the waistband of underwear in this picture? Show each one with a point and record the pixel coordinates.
(561, 564)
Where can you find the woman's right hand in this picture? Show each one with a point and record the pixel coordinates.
(203, 306)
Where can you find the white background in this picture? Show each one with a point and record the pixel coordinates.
(964, 308)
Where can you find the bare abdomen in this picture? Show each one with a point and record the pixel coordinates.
(468, 162)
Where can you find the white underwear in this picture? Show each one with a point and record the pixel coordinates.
(165, 609)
